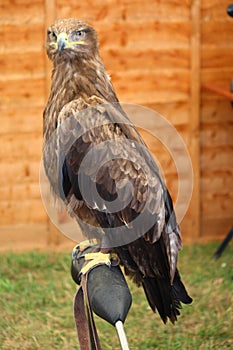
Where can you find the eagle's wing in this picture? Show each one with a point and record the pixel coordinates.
(105, 167)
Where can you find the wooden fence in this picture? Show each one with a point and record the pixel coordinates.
(162, 55)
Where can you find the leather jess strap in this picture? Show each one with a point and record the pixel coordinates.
(85, 325)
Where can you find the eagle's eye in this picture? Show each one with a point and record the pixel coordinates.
(80, 33)
(51, 35)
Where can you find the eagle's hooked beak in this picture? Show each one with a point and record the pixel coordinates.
(62, 42)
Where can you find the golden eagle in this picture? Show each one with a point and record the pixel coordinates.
(98, 164)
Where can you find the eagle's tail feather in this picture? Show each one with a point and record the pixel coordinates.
(178, 290)
(166, 299)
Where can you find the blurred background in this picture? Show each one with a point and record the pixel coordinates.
(174, 57)
(169, 56)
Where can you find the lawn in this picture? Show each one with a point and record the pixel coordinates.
(36, 303)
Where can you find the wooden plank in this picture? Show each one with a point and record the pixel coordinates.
(125, 10)
(144, 87)
(153, 122)
(215, 228)
(13, 212)
(216, 111)
(18, 172)
(217, 205)
(210, 96)
(219, 182)
(176, 113)
(11, 11)
(213, 159)
(22, 92)
(213, 57)
(23, 65)
(101, 11)
(28, 119)
(7, 3)
(27, 145)
(15, 38)
(211, 76)
(220, 89)
(186, 226)
(214, 10)
(170, 10)
(117, 59)
(20, 192)
(23, 237)
(50, 12)
(211, 35)
(21, 79)
(158, 35)
(194, 146)
(217, 135)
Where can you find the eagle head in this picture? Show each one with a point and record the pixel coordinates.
(69, 38)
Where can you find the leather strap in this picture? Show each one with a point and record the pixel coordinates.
(85, 325)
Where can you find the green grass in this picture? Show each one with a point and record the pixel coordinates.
(36, 303)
